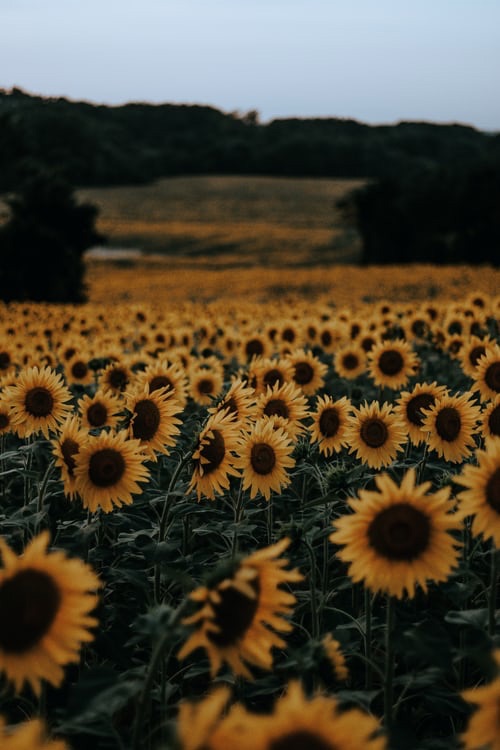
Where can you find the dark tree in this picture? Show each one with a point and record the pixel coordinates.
(42, 243)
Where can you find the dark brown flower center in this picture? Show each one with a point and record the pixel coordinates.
(262, 458)
(367, 343)
(288, 334)
(492, 377)
(493, 491)
(303, 373)
(29, 602)
(118, 378)
(476, 353)
(4, 360)
(276, 407)
(273, 376)
(329, 422)
(79, 369)
(400, 532)
(146, 420)
(213, 450)
(234, 614)
(494, 421)
(69, 352)
(374, 432)
(39, 402)
(419, 327)
(448, 424)
(415, 406)
(106, 467)
(160, 381)
(300, 739)
(326, 338)
(4, 420)
(69, 448)
(254, 347)
(390, 362)
(350, 361)
(206, 386)
(97, 414)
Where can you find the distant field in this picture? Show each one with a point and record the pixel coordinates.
(242, 220)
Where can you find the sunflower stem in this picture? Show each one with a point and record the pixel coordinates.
(312, 585)
(269, 519)
(389, 663)
(237, 517)
(492, 601)
(422, 462)
(43, 487)
(368, 639)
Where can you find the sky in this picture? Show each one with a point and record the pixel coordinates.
(377, 61)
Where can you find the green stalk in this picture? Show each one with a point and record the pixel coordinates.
(269, 520)
(312, 584)
(492, 600)
(237, 518)
(422, 462)
(43, 486)
(389, 663)
(368, 639)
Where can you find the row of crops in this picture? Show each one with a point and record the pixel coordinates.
(271, 527)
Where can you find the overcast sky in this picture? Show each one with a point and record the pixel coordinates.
(372, 60)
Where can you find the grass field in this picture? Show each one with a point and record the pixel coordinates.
(255, 220)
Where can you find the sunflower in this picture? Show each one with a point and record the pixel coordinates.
(481, 499)
(153, 422)
(108, 469)
(285, 401)
(299, 723)
(375, 434)
(308, 371)
(264, 455)
(197, 722)
(205, 384)
(490, 420)
(77, 370)
(271, 372)
(45, 604)
(411, 403)
(30, 735)
(165, 374)
(482, 728)
(450, 424)
(38, 401)
(100, 410)
(487, 374)
(239, 401)
(115, 377)
(212, 458)
(239, 614)
(398, 537)
(335, 657)
(392, 363)
(472, 351)
(5, 416)
(255, 345)
(350, 361)
(330, 421)
(68, 443)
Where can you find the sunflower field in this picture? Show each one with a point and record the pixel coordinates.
(270, 527)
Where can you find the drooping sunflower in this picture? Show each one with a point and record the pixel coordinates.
(392, 363)
(213, 462)
(350, 361)
(153, 421)
(375, 434)
(264, 455)
(329, 424)
(301, 723)
(165, 374)
(65, 447)
(482, 727)
(410, 405)
(240, 612)
(39, 401)
(490, 420)
(487, 374)
(30, 735)
(398, 537)
(285, 401)
(239, 401)
(308, 371)
(103, 409)
(45, 600)
(108, 469)
(450, 424)
(481, 499)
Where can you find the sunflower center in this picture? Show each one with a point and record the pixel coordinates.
(448, 424)
(39, 402)
(419, 328)
(160, 381)
(69, 352)
(400, 532)
(79, 369)
(367, 343)
(494, 421)
(299, 740)
(329, 422)
(213, 450)
(276, 407)
(415, 406)
(476, 353)
(493, 491)
(326, 338)
(391, 362)
(69, 448)
(288, 334)
(234, 614)
(106, 467)
(492, 377)
(97, 414)
(4, 360)
(304, 373)
(206, 386)
(118, 378)
(29, 602)
(262, 458)
(350, 361)
(146, 420)
(254, 347)
(374, 432)
(273, 376)
(4, 421)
